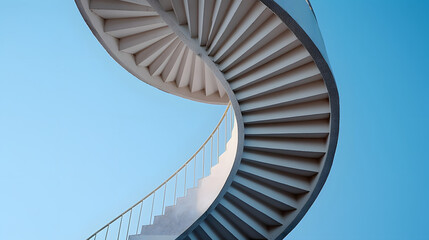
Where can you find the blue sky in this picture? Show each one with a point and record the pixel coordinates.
(81, 139)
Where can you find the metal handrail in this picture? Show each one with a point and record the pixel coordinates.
(175, 174)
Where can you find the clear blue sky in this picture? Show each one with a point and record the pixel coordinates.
(81, 139)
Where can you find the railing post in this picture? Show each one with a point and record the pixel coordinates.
(204, 154)
(151, 211)
(140, 214)
(120, 226)
(175, 190)
(129, 222)
(211, 154)
(226, 130)
(195, 168)
(218, 145)
(107, 231)
(232, 119)
(184, 186)
(163, 200)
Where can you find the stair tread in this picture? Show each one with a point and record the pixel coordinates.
(288, 182)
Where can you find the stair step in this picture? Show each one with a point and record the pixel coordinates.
(251, 22)
(124, 27)
(210, 81)
(156, 68)
(300, 94)
(209, 232)
(205, 13)
(170, 71)
(220, 10)
(184, 74)
(179, 11)
(298, 112)
(120, 9)
(281, 200)
(311, 148)
(252, 205)
(151, 237)
(197, 76)
(191, 11)
(260, 38)
(169, 209)
(288, 182)
(235, 13)
(139, 2)
(192, 235)
(296, 77)
(304, 129)
(225, 226)
(165, 4)
(306, 167)
(138, 42)
(282, 44)
(289, 61)
(247, 223)
(146, 56)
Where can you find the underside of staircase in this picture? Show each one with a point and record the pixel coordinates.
(265, 57)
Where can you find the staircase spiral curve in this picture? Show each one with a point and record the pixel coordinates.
(267, 58)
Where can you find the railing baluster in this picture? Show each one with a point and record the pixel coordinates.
(95, 237)
(204, 154)
(195, 168)
(175, 190)
(140, 214)
(218, 145)
(129, 222)
(211, 154)
(226, 130)
(163, 200)
(119, 231)
(184, 186)
(151, 211)
(232, 120)
(107, 231)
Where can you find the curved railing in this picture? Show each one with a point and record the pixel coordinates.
(143, 214)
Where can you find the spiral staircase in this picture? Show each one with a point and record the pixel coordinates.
(266, 59)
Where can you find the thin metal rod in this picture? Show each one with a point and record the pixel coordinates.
(232, 119)
(211, 155)
(195, 168)
(120, 226)
(151, 211)
(204, 159)
(163, 200)
(129, 222)
(107, 231)
(175, 191)
(184, 186)
(138, 222)
(226, 130)
(95, 237)
(218, 145)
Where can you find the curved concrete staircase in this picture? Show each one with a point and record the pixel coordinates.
(271, 64)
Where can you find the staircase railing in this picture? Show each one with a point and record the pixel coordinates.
(197, 166)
